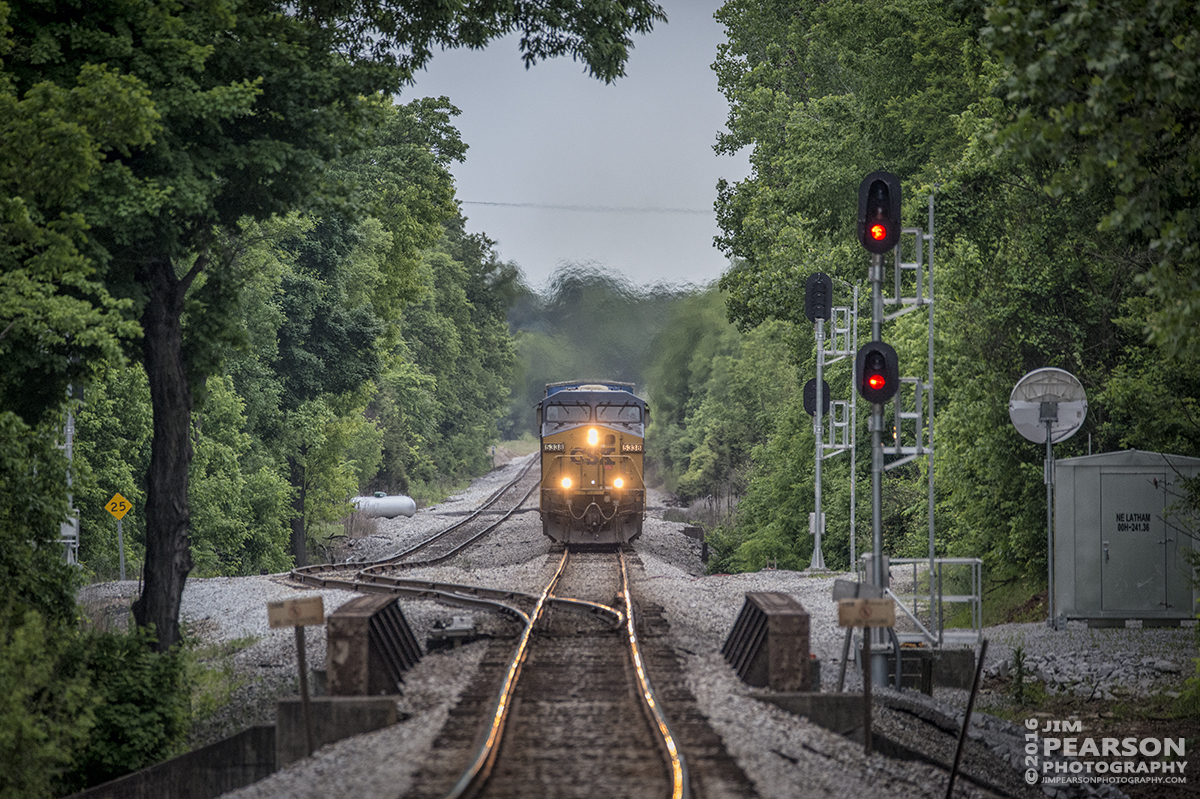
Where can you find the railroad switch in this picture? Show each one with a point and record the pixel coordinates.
(460, 630)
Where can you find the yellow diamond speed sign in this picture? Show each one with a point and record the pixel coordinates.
(118, 506)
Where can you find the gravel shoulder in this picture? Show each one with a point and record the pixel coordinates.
(783, 755)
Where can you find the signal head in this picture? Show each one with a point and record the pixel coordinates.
(879, 212)
(877, 372)
(818, 296)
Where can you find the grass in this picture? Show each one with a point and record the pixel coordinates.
(435, 492)
(1033, 700)
(356, 525)
(214, 681)
(1013, 602)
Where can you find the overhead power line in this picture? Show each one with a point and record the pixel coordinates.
(605, 209)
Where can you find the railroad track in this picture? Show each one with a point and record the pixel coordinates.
(457, 537)
(575, 715)
(440, 546)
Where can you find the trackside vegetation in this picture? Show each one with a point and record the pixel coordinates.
(1052, 138)
(231, 251)
(235, 259)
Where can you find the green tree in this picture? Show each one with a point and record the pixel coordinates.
(327, 349)
(825, 94)
(1108, 90)
(1023, 277)
(111, 455)
(253, 101)
(46, 713)
(1034, 290)
(458, 338)
(240, 504)
(716, 394)
(590, 324)
(59, 319)
(142, 705)
(32, 506)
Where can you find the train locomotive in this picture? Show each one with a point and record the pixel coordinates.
(592, 490)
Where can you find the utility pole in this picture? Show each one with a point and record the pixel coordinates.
(818, 292)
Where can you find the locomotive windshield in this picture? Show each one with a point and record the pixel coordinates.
(568, 414)
(624, 414)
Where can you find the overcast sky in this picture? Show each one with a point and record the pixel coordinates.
(563, 168)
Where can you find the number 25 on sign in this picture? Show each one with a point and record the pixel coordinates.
(118, 506)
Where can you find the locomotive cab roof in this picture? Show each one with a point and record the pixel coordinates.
(588, 385)
(580, 392)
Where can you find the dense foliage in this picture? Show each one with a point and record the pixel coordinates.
(176, 125)
(75, 708)
(589, 325)
(140, 705)
(1063, 236)
(240, 266)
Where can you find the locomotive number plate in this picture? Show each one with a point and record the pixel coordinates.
(631, 447)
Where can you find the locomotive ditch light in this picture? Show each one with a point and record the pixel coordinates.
(593, 437)
(566, 482)
(618, 483)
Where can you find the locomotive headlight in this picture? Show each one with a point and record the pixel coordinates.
(618, 483)
(566, 482)
(593, 437)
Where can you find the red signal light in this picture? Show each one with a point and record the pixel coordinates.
(877, 372)
(879, 212)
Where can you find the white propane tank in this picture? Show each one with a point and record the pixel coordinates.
(383, 506)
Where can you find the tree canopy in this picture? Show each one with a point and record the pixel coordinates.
(212, 115)
(1107, 92)
(1057, 141)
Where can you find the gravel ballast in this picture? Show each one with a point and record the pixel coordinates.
(783, 755)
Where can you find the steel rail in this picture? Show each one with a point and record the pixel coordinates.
(385, 584)
(467, 596)
(680, 788)
(417, 592)
(491, 500)
(397, 562)
(481, 766)
(473, 779)
(299, 572)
